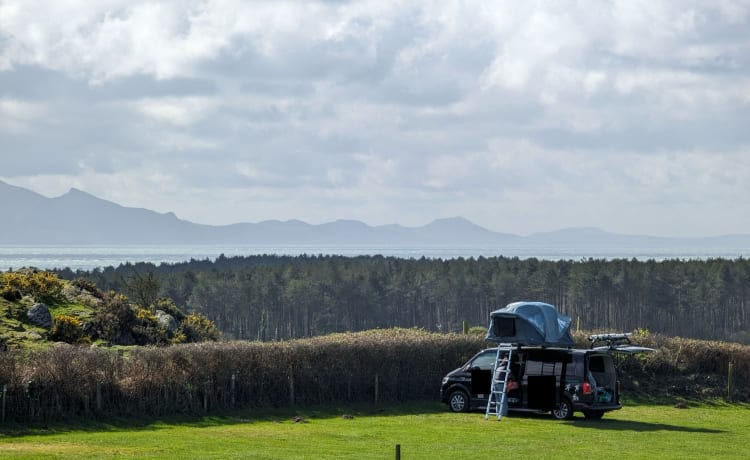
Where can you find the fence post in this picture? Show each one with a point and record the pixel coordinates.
(205, 396)
(232, 388)
(730, 381)
(398, 451)
(377, 389)
(5, 394)
(99, 396)
(291, 386)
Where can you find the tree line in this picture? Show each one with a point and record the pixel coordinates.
(269, 297)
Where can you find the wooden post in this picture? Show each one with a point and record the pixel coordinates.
(464, 327)
(99, 396)
(5, 394)
(291, 386)
(205, 396)
(232, 388)
(730, 381)
(398, 451)
(377, 389)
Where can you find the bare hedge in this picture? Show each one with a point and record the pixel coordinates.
(373, 366)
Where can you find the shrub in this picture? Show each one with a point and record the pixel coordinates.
(88, 286)
(198, 328)
(147, 329)
(66, 329)
(168, 306)
(114, 318)
(43, 286)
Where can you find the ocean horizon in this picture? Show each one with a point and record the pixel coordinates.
(87, 258)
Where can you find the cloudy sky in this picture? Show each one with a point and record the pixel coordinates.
(632, 116)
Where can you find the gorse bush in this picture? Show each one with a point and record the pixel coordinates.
(197, 328)
(66, 329)
(113, 318)
(42, 286)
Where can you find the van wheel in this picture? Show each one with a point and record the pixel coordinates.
(564, 410)
(458, 401)
(593, 414)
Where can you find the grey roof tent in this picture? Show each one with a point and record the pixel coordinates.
(530, 323)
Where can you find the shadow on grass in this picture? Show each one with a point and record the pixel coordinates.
(631, 425)
(224, 418)
(618, 425)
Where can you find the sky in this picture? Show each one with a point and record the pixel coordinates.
(630, 116)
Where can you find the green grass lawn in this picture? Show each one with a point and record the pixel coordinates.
(425, 431)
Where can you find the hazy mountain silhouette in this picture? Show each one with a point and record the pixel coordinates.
(81, 218)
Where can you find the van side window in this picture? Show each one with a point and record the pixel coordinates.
(543, 368)
(485, 361)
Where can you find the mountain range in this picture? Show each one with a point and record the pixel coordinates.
(79, 218)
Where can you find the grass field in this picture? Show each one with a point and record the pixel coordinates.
(424, 431)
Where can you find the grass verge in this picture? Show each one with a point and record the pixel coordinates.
(424, 431)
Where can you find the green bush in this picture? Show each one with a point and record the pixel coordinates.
(43, 286)
(114, 318)
(198, 328)
(88, 286)
(66, 329)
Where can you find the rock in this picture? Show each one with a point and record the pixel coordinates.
(39, 315)
(166, 320)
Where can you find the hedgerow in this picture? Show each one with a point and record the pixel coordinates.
(373, 366)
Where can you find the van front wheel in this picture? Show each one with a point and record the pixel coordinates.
(564, 410)
(458, 401)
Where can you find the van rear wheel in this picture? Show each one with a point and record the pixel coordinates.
(458, 401)
(564, 410)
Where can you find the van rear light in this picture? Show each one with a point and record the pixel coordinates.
(587, 388)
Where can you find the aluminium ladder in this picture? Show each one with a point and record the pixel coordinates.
(497, 403)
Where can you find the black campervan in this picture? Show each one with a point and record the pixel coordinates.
(545, 373)
(555, 380)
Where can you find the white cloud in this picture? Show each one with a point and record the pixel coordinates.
(177, 111)
(17, 116)
(520, 116)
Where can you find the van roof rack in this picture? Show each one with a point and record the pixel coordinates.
(612, 340)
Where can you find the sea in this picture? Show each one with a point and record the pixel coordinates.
(88, 258)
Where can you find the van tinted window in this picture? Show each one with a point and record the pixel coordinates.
(543, 368)
(596, 364)
(602, 369)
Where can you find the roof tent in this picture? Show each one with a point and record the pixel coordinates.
(530, 323)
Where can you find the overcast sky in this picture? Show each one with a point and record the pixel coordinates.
(521, 116)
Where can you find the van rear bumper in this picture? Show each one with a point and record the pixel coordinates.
(602, 407)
